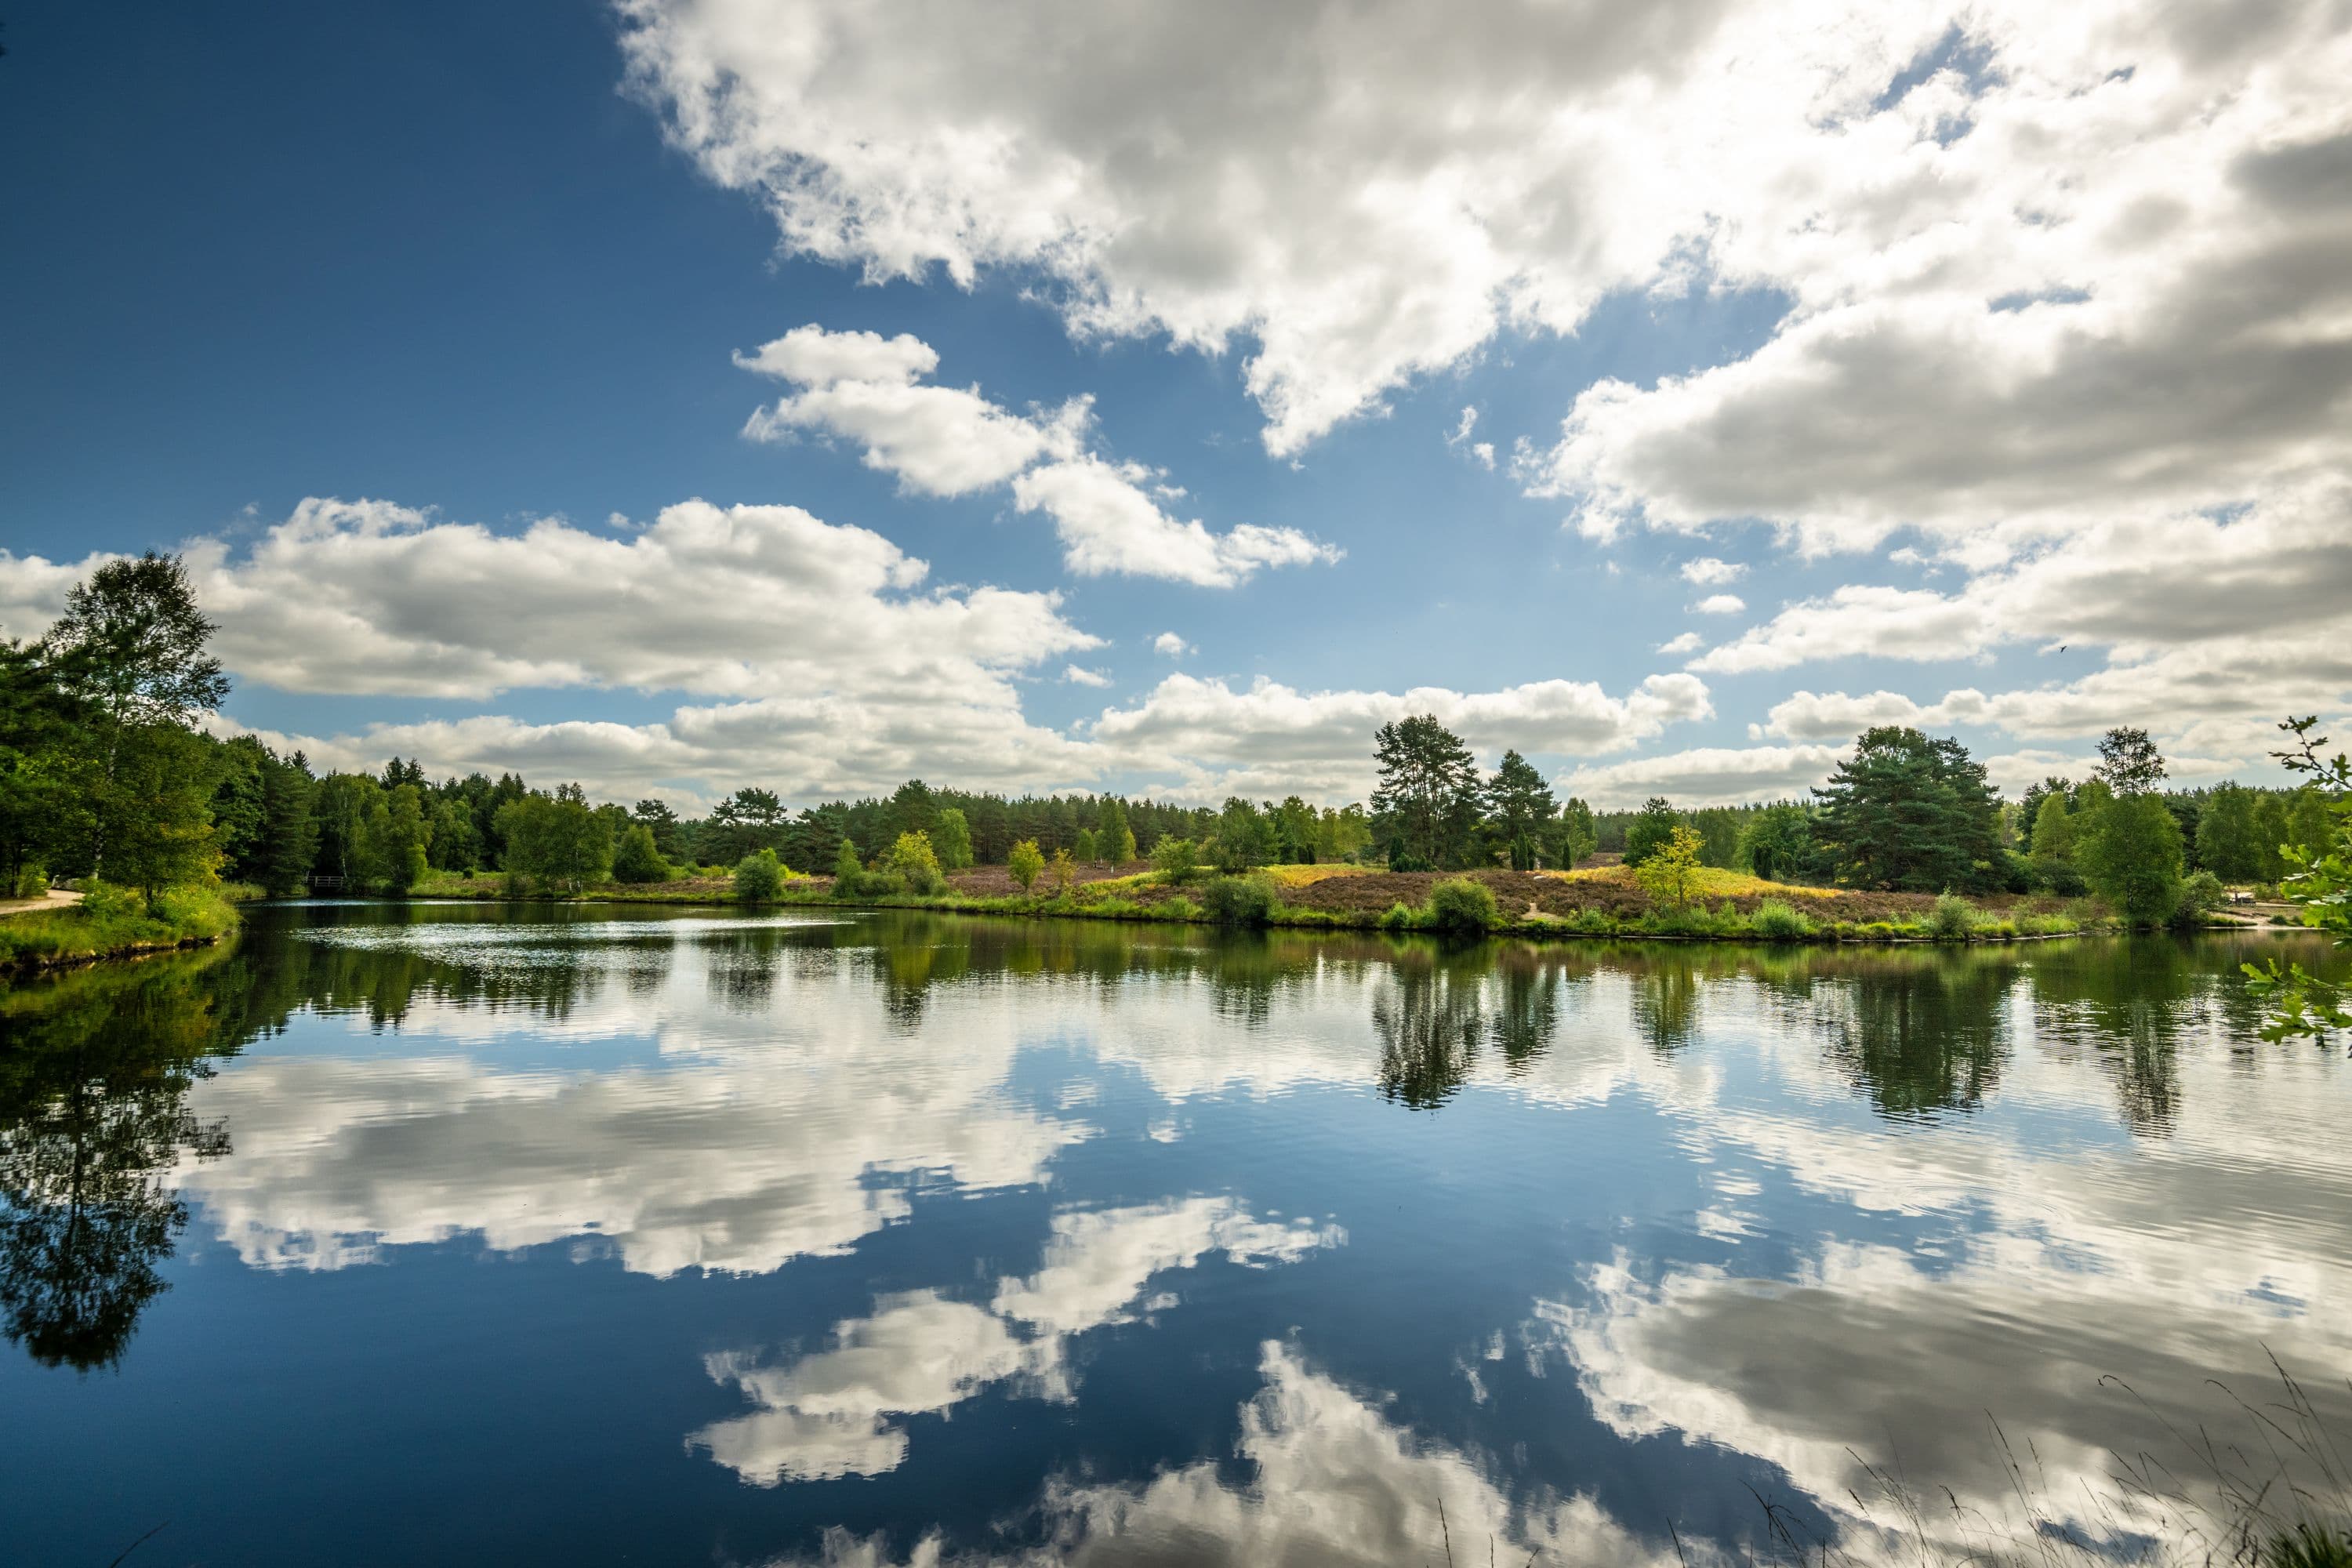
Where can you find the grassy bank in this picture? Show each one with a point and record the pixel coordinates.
(114, 922)
(1602, 901)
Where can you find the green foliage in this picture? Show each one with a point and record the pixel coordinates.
(637, 858)
(1123, 849)
(404, 837)
(1519, 810)
(154, 807)
(1953, 919)
(1176, 860)
(1085, 849)
(744, 823)
(1909, 814)
(2201, 895)
(1292, 829)
(456, 844)
(1244, 837)
(1669, 873)
(31, 882)
(1343, 834)
(1064, 873)
(2054, 830)
(845, 863)
(1651, 831)
(2319, 881)
(915, 863)
(2130, 854)
(759, 878)
(2129, 763)
(1463, 907)
(1239, 900)
(1427, 797)
(1777, 844)
(1775, 920)
(953, 840)
(1578, 835)
(661, 821)
(555, 840)
(1026, 862)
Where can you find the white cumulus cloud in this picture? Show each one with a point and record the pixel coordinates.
(950, 441)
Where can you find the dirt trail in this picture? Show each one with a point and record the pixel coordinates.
(55, 898)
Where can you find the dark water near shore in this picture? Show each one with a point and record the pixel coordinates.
(467, 1234)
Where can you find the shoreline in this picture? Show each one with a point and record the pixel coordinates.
(1181, 911)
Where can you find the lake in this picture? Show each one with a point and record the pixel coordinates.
(474, 1234)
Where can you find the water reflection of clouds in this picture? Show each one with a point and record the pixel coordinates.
(763, 1141)
(2008, 1183)
(1329, 1480)
(830, 1414)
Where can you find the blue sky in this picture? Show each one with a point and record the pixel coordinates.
(484, 265)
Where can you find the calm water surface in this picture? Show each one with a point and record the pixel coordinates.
(469, 1235)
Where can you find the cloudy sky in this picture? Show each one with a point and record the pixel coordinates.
(1077, 393)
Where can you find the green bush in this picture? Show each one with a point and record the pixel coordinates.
(1239, 900)
(106, 900)
(1952, 920)
(759, 878)
(1775, 920)
(1176, 860)
(2201, 895)
(635, 860)
(31, 882)
(916, 864)
(1463, 907)
(1400, 917)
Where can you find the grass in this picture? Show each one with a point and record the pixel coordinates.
(112, 922)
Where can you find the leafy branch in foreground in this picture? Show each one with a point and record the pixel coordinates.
(2321, 883)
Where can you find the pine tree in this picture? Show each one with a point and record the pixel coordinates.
(1427, 799)
(1909, 814)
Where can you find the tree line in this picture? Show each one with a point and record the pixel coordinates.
(104, 774)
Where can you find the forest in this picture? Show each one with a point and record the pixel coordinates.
(109, 780)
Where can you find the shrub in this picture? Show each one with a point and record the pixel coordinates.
(916, 864)
(105, 900)
(1176, 860)
(1025, 862)
(635, 860)
(1400, 917)
(1463, 907)
(1775, 920)
(1065, 872)
(1952, 918)
(759, 878)
(1669, 871)
(31, 882)
(1239, 900)
(2201, 895)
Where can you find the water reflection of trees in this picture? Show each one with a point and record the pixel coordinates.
(1923, 1036)
(1441, 1007)
(95, 1068)
(2126, 1005)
